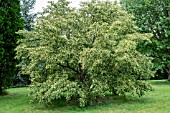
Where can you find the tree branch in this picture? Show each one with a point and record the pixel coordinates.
(68, 66)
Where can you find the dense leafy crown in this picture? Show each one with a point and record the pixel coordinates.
(84, 53)
(153, 16)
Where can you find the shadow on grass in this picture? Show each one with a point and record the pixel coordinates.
(160, 82)
(109, 101)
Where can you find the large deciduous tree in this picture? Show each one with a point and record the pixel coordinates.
(84, 53)
(10, 22)
(154, 16)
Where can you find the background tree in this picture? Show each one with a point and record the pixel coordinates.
(84, 54)
(10, 22)
(26, 8)
(154, 16)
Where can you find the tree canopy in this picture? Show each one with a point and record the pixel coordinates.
(84, 53)
(153, 16)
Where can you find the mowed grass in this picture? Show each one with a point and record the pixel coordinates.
(157, 101)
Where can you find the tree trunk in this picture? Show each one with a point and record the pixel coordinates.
(0, 89)
(168, 72)
(169, 77)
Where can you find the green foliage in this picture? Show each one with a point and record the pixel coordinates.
(83, 54)
(153, 16)
(29, 18)
(10, 22)
(26, 7)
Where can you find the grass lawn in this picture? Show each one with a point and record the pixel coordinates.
(157, 101)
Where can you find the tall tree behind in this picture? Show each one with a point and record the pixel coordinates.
(154, 16)
(26, 7)
(10, 22)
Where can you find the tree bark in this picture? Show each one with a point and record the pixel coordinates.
(0, 89)
(169, 77)
(168, 72)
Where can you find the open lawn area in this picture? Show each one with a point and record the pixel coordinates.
(157, 101)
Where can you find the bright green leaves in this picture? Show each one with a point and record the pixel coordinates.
(84, 54)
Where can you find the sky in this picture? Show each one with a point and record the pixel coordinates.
(43, 3)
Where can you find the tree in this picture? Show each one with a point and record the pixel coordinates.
(26, 7)
(10, 22)
(29, 18)
(83, 54)
(154, 16)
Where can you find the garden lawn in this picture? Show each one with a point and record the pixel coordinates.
(157, 101)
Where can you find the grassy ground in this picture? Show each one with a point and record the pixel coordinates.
(157, 101)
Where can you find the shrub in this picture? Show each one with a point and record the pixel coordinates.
(84, 53)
